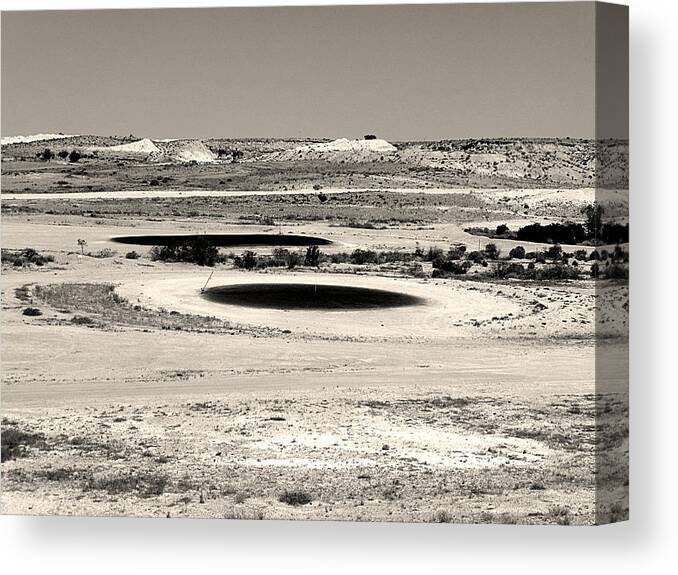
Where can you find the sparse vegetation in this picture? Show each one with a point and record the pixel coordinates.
(25, 257)
(14, 442)
(442, 516)
(197, 250)
(312, 258)
(248, 260)
(143, 483)
(102, 253)
(295, 497)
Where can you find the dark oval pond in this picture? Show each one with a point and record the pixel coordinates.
(308, 296)
(224, 240)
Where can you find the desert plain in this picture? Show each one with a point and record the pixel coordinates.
(414, 366)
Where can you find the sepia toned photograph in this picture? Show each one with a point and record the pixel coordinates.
(350, 263)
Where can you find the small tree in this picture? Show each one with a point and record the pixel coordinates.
(312, 258)
(433, 253)
(74, 156)
(82, 243)
(492, 251)
(593, 216)
(517, 253)
(63, 154)
(249, 260)
(555, 252)
(456, 252)
(502, 230)
(46, 155)
(293, 260)
(595, 270)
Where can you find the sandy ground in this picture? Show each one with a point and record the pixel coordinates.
(481, 405)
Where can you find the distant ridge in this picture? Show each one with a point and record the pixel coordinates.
(6, 141)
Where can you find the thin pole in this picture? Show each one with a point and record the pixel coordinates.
(202, 290)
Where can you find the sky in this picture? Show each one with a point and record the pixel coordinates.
(401, 72)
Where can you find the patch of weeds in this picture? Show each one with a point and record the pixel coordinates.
(442, 516)
(617, 512)
(102, 302)
(240, 498)
(245, 514)
(102, 254)
(14, 442)
(186, 483)
(498, 518)
(559, 515)
(391, 493)
(82, 320)
(60, 474)
(25, 257)
(294, 497)
(112, 449)
(145, 484)
(22, 293)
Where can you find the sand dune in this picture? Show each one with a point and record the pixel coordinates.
(341, 150)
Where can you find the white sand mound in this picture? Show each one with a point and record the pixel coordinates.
(342, 149)
(7, 140)
(345, 145)
(144, 146)
(192, 151)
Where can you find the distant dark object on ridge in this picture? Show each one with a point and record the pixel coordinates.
(370, 137)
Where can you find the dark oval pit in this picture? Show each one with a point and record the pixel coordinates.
(224, 240)
(308, 296)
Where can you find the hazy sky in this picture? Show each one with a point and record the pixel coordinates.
(402, 72)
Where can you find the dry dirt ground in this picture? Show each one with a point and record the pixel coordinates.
(132, 395)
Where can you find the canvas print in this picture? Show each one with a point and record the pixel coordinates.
(363, 263)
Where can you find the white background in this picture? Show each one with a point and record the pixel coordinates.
(647, 543)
